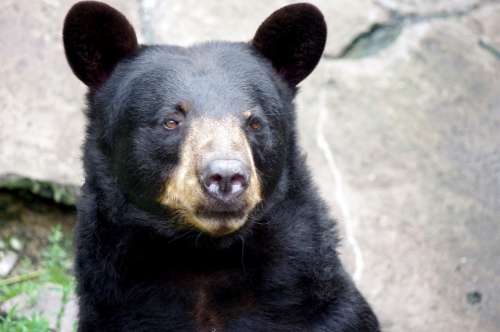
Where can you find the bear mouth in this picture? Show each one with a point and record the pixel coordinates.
(220, 216)
(209, 205)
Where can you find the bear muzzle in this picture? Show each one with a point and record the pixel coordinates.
(215, 185)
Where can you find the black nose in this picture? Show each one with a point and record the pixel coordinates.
(225, 179)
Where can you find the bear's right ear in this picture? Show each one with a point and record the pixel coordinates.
(96, 37)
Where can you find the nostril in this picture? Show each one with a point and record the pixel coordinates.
(213, 183)
(238, 179)
(238, 184)
(216, 178)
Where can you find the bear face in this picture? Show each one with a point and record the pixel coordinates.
(196, 133)
(183, 112)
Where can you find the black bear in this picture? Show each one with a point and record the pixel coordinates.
(198, 212)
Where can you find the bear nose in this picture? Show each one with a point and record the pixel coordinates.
(225, 179)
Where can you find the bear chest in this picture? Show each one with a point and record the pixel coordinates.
(216, 299)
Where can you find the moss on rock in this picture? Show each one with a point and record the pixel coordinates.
(59, 193)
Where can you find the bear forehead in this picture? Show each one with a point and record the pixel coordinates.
(224, 62)
(209, 76)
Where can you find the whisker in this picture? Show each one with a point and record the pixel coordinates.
(242, 254)
(181, 236)
(196, 240)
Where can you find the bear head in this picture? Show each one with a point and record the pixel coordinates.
(201, 132)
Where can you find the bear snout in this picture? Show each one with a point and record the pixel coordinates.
(225, 180)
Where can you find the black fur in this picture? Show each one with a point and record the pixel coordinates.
(138, 270)
(96, 36)
(293, 39)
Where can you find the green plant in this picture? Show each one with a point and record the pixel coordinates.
(54, 269)
(10, 322)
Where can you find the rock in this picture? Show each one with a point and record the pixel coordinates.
(41, 102)
(404, 145)
(487, 28)
(188, 22)
(8, 260)
(16, 244)
(474, 298)
(429, 7)
(69, 318)
(60, 193)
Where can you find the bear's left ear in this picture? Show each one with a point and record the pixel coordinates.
(293, 39)
(96, 37)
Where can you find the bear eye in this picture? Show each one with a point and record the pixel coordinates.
(171, 124)
(254, 124)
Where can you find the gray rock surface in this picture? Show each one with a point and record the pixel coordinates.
(401, 124)
(430, 7)
(186, 22)
(8, 260)
(41, 119)
(414, 135)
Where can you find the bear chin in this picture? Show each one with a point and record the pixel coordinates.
(217, 224)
